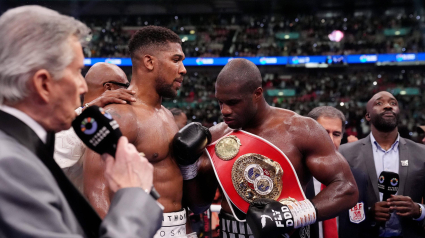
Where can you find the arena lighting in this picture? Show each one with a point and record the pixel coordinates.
(336, 36)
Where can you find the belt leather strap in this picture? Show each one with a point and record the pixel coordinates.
(253, 144)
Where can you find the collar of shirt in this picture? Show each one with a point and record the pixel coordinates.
(377, 147)
(37, 128)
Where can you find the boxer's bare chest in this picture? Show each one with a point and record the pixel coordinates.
(155, 132)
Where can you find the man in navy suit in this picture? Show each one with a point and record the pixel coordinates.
(352, 223)
(402, 215)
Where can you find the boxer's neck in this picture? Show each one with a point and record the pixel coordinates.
(260, 117)
(146, 93)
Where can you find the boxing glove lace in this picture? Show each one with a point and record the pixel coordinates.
(269, 218)
(188, 145)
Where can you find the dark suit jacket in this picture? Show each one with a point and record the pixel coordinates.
(347, 229)
(33, 205)
(359, 155)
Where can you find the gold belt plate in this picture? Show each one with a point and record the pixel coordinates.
(227, 147)
(256, 176)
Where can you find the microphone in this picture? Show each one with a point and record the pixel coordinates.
(388, 183)
(100, 132)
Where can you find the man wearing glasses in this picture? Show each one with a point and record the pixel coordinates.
(107, 83)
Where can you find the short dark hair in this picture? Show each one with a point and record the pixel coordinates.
(151, 36)
(327, 111)
(176, 111)
(242, 72)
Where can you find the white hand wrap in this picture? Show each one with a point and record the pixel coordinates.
(189, 171)
(303, 211)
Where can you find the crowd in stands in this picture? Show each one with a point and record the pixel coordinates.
(348, 91)
(242, 35)
(232, 35)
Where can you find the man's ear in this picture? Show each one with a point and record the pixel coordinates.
(258, 93)
(148, 61)
(42, 82)
(367, 116)
(107, 86)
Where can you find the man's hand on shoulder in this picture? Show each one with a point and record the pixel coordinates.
(126, 119)
(118, 96)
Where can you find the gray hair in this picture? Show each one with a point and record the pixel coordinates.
(327, 111)
(34, 38)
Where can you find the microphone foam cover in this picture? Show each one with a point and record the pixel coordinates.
(98, 130)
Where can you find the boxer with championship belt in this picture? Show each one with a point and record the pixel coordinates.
(256, 179)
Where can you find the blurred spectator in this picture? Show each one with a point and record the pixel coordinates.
(422, 133)
(244, 35)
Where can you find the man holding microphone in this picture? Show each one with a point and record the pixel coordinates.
(385, 152)
(40, 86)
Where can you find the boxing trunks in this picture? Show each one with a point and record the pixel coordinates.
(174, 226)
(231, 228)
(249, 167)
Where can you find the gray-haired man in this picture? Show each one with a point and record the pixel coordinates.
(353, 223)
(40, 86)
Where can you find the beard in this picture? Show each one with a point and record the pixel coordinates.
(385, 124)
(165, 90)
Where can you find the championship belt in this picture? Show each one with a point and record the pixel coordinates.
(249, 167)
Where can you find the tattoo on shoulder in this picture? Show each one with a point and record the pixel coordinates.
(114, 114)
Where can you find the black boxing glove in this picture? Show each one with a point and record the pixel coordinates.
(188, 145)
(269, 218)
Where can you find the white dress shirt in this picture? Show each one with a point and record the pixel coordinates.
(68, 147)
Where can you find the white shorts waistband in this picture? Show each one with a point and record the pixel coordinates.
(173, 225)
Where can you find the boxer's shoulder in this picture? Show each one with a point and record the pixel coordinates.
(119, 111)
(296, 122)
(126, 117)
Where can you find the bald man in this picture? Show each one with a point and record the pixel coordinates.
(107, 84)
(260, 129)
(401, 215)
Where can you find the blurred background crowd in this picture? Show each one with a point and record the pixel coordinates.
(233, 28)
(371, 30)
(216, 35)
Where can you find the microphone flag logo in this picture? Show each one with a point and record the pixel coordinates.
(106, 114)
(394, 181)
(88, 126)
(381, 179)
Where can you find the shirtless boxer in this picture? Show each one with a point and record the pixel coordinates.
(158, 71)
(301, 139)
